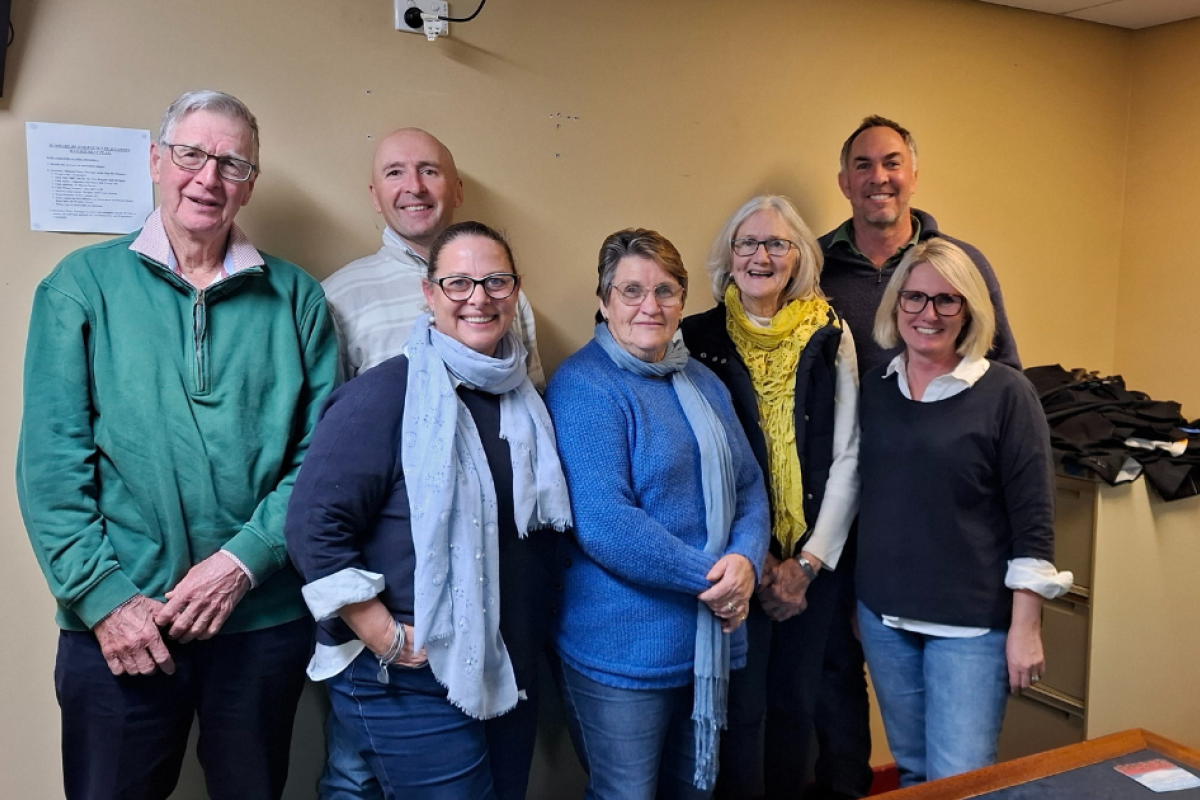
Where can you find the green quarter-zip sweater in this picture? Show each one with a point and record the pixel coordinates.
(163, 423)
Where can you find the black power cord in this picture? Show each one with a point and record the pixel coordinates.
(412, 17)
(465, 19)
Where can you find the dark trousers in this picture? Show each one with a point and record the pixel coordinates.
(843, 712)
(125, 736)
(780, 683)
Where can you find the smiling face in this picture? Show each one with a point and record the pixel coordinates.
(928, 335)
(480, 321)
(762, 278)
(646, 329)
(416, 187)
(199, 205)
(879, 178)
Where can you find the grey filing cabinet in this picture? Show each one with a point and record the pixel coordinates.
(1122, 647)
(1053, 713)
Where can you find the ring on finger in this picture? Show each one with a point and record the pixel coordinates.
(1034, 678)
(731, 607)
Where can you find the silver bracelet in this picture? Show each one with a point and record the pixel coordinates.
(807, 568)
(391, 654)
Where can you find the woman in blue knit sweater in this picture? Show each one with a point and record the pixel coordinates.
(671, 526)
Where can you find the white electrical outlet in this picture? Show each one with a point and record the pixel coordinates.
(432, 28)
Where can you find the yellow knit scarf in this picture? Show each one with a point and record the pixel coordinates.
(771, 355)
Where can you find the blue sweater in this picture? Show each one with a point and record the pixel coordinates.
(636, 563)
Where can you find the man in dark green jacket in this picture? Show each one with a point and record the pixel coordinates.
(172, 378)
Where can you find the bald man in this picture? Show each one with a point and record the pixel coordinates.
(375, 300)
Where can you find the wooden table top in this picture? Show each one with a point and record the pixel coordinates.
(1044, 765)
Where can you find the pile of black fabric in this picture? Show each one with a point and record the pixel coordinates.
(1092, 417)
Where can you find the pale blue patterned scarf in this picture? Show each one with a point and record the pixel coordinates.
(454, 514)
(718, 481)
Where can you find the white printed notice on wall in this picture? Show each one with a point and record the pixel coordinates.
(88, 179)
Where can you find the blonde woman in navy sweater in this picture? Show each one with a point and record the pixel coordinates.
(956, 520)
(670, 533)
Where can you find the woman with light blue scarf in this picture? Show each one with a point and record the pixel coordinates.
(671, 527)
(423, 475)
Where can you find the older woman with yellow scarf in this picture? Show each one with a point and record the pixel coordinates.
(789, 364)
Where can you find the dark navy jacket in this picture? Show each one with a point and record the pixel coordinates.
(349, 508)
(854, 287)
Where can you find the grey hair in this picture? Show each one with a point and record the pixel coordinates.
(876, 121)
(806, 280)
(209, 100)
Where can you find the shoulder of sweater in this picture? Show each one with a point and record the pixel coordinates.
(1011, 377)
(95, 259)
(379, 389)
(350, 272)
(929, 229)
(581, 367)
(873, 379)
(280, 269)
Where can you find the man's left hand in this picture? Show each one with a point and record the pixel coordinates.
(200, 603)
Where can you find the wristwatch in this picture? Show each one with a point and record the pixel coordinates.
(807, 568)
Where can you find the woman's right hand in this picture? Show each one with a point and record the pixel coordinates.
(374, 626)
(732, 579)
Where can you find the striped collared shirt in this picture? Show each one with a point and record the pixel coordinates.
(376, 300)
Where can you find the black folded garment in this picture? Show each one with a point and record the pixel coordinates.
(1091, 417)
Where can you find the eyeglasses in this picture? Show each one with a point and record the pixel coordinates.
(944, 305)
(193, 158)
(665, 294)
(748, 247)
(497, 286)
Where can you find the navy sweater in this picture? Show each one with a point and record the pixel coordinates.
(950, 492)
(637, 561)
(349, 508)
(855, 287)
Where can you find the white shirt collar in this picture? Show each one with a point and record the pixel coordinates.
(962, 377)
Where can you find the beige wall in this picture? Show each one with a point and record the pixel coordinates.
(1156, 323)
(672, 113)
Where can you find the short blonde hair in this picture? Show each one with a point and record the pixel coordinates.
(804, 284)
(959, 271)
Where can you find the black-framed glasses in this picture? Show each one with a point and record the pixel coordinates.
(666, 295)
(497, 286)
(944, 305)
(193, 158)
(748, 247)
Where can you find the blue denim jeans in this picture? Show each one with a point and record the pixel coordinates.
(942, 699)
(347, 776)
(418, 744)
(634, 744)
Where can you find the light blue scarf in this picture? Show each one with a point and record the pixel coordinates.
(455, 517)
(717, 478)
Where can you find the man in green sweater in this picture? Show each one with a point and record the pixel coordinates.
(172, 378)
